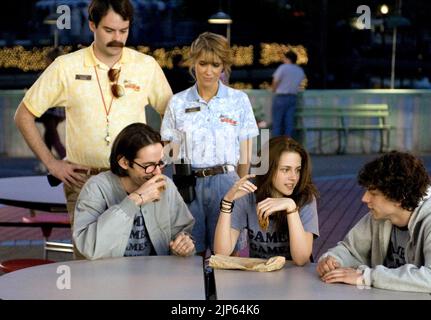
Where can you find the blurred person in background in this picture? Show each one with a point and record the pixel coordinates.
(286, 83)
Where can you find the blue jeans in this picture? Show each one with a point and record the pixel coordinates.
(206, 207)
(283, 114)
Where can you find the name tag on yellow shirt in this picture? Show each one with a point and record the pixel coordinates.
(82, 77)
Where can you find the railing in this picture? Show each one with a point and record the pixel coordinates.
(410, 113)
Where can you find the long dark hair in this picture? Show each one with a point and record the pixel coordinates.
(304, 191)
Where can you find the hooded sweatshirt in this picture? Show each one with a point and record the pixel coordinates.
(366, 245)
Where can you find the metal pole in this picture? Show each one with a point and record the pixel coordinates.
(55, 37)
(394, 45)
(323, 41)
(228, 33)
(394, 49)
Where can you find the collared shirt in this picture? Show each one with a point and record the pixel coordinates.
(213, 129)
(289, 77)
(71, 81)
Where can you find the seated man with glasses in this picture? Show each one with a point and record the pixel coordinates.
(133, 209)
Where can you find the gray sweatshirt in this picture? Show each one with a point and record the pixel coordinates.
(367, 244)
(104, 217)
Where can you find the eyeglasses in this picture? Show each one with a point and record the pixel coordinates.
(149, 168)
(116, 89)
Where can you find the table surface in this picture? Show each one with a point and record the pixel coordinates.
(154, 277)
(299, 283)
(33, 192)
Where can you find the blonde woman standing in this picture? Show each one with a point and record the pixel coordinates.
(218, 123)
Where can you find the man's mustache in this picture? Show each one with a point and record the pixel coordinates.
(116, 44)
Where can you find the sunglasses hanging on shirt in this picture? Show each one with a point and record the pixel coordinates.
(116, 89)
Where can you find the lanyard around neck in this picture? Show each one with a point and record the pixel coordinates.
(107, 110)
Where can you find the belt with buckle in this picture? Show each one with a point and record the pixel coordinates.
(91, 171)
(207, 172)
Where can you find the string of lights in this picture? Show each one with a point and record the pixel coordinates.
(274, 52)
(30, 60)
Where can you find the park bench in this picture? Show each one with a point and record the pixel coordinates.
(344, 120)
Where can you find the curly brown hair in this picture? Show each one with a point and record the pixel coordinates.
(400, 176)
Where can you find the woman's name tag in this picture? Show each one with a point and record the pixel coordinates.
(194, 109)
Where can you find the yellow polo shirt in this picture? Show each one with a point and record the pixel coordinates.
(71, 81)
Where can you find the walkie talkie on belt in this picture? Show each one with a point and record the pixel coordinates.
(183, 175)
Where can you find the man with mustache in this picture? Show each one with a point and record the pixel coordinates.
(389, 248)
(103, 87)
(133, 209)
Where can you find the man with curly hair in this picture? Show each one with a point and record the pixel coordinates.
(390, 248)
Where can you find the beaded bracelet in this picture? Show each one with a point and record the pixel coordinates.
(229, 204)
(226, 206)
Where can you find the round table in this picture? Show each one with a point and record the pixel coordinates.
(153, 277)
(33, 192)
